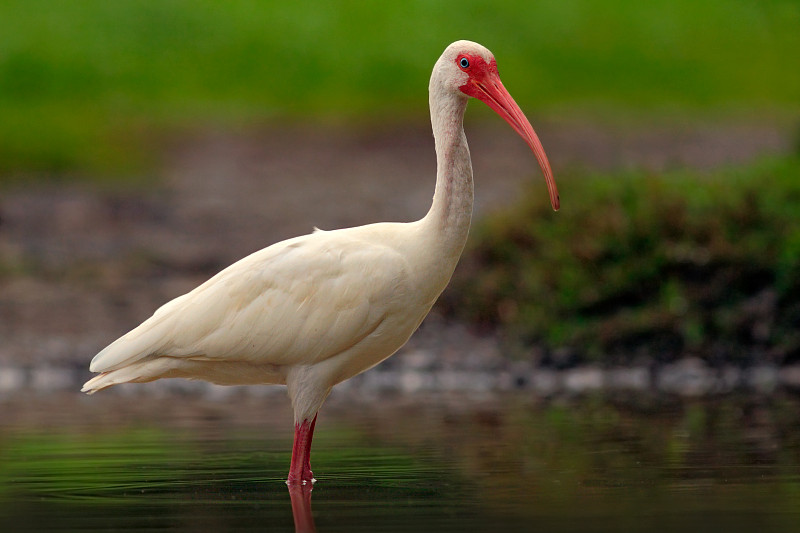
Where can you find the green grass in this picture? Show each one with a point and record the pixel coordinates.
(88, 85)
(639, 264)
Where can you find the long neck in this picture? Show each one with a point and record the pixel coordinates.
(448, 219)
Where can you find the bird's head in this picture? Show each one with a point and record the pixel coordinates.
(470, 69)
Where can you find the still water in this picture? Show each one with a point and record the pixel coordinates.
(436, 463)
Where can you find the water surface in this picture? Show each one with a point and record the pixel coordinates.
(433, 463)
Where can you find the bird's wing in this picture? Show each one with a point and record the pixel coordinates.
(297, 302)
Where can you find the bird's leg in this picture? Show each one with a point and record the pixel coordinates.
(300, 470)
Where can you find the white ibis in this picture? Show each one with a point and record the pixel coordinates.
(313, 311)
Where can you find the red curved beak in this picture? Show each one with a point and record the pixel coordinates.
(492, 92)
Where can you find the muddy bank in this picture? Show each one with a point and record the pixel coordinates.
(80, 265)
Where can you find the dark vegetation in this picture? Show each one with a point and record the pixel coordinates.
(644, 265)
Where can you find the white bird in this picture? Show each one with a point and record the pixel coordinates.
(313, 311)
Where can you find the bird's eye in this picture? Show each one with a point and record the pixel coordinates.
(464, 62)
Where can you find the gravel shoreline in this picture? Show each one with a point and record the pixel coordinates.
(688, 378)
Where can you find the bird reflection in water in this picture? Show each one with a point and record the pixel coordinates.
(301, 507)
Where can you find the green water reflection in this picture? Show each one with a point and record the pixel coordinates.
(432, 465)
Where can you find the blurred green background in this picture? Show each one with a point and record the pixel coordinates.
(85, 85)
(686, 261)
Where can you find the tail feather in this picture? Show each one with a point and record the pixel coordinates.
(97, 383)
(140, 372)
(139, 343)
(219, 372)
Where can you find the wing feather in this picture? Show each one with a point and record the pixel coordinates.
(297, 302)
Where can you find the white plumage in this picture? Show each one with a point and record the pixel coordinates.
(312, 311)
(325, 306)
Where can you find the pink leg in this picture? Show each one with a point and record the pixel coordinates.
(300, 470)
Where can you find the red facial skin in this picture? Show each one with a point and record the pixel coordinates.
(485, 85)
